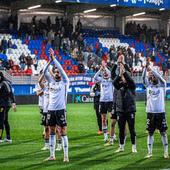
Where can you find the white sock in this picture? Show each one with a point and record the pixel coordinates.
(52, 143)
(104, 128)
(111, 138)
(150, 141)
(121, 146)
(65, 145)
(165, 142)
(46, 142)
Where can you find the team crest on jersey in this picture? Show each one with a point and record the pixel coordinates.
(154, 93)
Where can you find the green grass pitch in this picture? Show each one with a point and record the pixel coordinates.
(86, 148)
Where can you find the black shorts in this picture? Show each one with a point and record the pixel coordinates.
(44, 120)
(41, 111)
(57, 117)
(156, 121)
(105, 107)
(3, 115)
(113, 114)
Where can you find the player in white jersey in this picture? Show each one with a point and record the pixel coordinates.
(103, 76)
(45, 88)
(58, 86)
(40, 94)
(155, 108)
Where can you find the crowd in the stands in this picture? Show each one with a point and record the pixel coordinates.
(60, 36)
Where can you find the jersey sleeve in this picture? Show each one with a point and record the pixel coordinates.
(46, 73)
(97, 77)
(62, 72)
(144, 78)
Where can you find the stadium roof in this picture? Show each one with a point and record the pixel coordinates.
(80, 7)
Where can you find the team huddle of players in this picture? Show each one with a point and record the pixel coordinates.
(114, 92)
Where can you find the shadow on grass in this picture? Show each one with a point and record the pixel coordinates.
(18, 142)
(81, 137)
(25, 156)
(148, 164)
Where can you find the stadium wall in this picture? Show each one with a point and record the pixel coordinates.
(77, 98)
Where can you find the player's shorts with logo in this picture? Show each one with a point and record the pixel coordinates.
(44, 120)
(105, 107)
(57, 117)
(156, 121)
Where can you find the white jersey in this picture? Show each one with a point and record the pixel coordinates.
(155, 93)
(57, 96)
(57, 90)
(106, 86)
(155, 99)
(46, 97)
(40, 97)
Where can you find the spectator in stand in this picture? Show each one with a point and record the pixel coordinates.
(164, 68)
(1, 65)
(4, 45)
(85, 56)
(99, 52)
(75, 53)
(74, 38)
(168, 67)
(81, 67)
(22, 60)
(28, 61)
(57, 23)
(112, 53)
(11, 63)
(35, 63)
(9, 46)
(80, 42)
(79, 26)
(48, 23)
(50, 36)
(57, 41)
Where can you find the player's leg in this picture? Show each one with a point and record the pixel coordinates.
(104, 126)
(99, 119)
(46, 131)
(103, 111)
(131, 125)
(162, 126)
(65, 143)
(52, 142)
(121, 123)
(7, 126)
(150, 128)
(2, 117)
(113, 121)
(51, 117)
(59, 140)
(62, 123)
(113, 117)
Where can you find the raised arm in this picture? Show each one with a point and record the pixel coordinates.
(92, 93)
(144, 78)
(62, 72)
(64, 76)
(116, 82)
(129, 80)
(158, 76)
(97, 77)
(46, 73)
